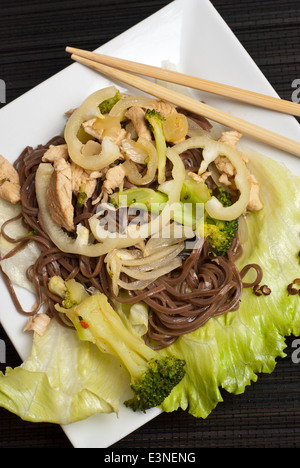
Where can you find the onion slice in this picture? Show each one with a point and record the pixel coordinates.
(211, 150)
(90, 108)
(131, 169)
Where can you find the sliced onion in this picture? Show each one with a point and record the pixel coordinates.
(131, 169)
(154, 274)
(173, 187)
(142, 269)
(90, 108)
(120, 108)
(211, 150)
(155, 259)
(149, 229)
(133, 152)
(173, 234)
(133, 286)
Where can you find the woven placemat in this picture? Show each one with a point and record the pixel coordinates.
(33, 35)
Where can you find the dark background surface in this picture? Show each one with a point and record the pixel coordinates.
(33, 35)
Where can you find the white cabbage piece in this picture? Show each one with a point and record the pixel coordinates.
(16, 266)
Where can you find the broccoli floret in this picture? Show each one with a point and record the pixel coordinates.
(156, 383)
(220, 234)
(223, 197)
(152, 376)
(144, 197)
(155, 121)
(81, 197)
(106, 106)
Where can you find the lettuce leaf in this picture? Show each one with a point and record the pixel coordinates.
(64, 380)
(230, 351)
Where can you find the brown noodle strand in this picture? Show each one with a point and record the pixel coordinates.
(179, 302)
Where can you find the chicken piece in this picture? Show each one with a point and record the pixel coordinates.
(59, 195)
(90, 148)
(113, 179)
(227, 171)
(10, 188)
(199, 177)
(81, 178)
(231, 138)
(137, 115)
(54, 153)
(90, 130)
(224, 180)
(37, 323)
(165, 108)
(115, 133)
(255, 203)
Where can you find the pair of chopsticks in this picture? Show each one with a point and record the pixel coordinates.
(118, 69)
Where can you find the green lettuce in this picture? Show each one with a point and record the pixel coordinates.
(230, 351)
(64, 380)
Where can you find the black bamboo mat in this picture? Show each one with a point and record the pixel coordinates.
(33, 35)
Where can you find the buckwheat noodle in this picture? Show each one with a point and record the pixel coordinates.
(179, 302)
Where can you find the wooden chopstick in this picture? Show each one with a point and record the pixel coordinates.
(242, 126)
(238, 94)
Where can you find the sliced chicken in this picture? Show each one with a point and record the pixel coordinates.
(113, 179)
(227, 171)
(54, 153)
(83, 179)
(137, 115)
(113, 131)
(59, 195)
(199, 178)
(10, 188)
(91, 130)
(165, 108)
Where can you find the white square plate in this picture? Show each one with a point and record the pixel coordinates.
(189, 34)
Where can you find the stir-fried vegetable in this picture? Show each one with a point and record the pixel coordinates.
(149, 163)
(152, 376)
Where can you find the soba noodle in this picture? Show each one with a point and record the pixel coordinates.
(179, 302)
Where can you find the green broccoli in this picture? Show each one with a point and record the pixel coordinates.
(152, 376)
(220, 234)
(81, 197)
(144, 197)
(106, 106)
(155, 121)
(155, 201)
